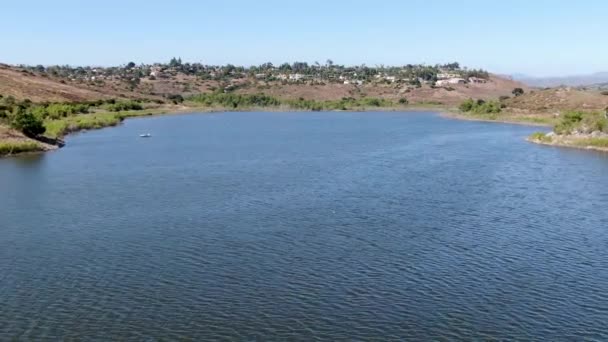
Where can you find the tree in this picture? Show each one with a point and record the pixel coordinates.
(27, 122)
(175, 62)
(130, 65)
(467, 105)
(517, 92)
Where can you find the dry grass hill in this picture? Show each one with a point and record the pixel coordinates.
(556, 100)
(40, 87)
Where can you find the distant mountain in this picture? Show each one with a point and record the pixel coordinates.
(571, 81)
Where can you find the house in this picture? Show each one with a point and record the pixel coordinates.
(260, 76)
(296, 77)
(391, 79)
(156, 71)
(445, 76)
(477, 80)
(457, 80)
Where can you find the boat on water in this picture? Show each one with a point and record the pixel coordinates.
(146, 135)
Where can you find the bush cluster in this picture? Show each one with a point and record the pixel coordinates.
(480, 107)
(231, 100)
(121, 106)
(583, 122)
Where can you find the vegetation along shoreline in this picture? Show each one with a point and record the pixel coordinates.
(576, 129)
(68, 99)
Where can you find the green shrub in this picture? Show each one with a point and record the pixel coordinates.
(176, 98)
(231, 100)
(61, 110)
(467, 105)
(480, 107)
(26, 122)
(540, 136)
(120, 106)
(583, 122)
(518, 92)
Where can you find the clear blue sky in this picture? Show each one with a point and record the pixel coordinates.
(538, 37)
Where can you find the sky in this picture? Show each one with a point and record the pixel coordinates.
(532, 37)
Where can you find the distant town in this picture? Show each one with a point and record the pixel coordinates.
(296, 73)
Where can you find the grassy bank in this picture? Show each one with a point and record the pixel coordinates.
(588, 130)
(58, 128)
(9, 147)
(497, 111)
(507, 117)
(231, 101)
(588, 143)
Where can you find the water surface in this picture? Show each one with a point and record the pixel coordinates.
(301, 226)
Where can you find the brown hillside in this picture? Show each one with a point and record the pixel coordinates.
(453, 95)
(557, 100)
(23, 84)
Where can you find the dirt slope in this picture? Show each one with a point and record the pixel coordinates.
(41, 87)
(453, 95)
(23, 85)
(559, 99)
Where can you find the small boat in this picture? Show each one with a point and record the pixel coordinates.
(147, 135)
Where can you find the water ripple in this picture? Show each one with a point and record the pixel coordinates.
(342, 226)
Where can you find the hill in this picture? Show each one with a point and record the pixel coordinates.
(571, 81)
(556, 100)
(26, 83)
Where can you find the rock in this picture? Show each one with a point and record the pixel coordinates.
(550, 134)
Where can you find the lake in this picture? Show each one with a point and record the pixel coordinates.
(302, 226)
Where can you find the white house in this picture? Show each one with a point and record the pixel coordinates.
(477, 80)
(391, 78)
(456, 80)
(445, 76)
(296, 77)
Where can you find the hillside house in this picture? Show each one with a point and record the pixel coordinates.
(156, 71)
(450, 81)
(446, 76)
(296, 77)
(477, 80)
(391, 79)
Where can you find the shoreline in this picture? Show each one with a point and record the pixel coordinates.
(458, 116)
(569, 142)
(442, 111)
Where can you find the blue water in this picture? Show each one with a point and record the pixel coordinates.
(302, 226)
